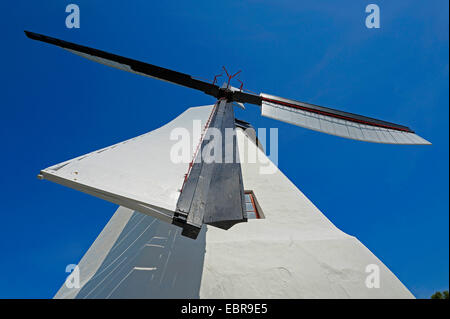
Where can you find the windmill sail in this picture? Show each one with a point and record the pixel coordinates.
(127, 64)
(336, 122)
(137, 173)
(213, 192)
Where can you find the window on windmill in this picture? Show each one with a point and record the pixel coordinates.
(251, 207)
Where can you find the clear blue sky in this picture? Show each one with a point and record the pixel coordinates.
(56, 106)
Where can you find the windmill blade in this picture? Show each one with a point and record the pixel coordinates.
(337, 122)
(129, 65)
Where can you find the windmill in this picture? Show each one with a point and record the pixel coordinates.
(212, 193)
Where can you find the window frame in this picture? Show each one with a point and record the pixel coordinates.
(254, 202)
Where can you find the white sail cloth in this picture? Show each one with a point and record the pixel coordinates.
(338, 126)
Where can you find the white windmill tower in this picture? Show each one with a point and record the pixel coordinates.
(262, 237)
